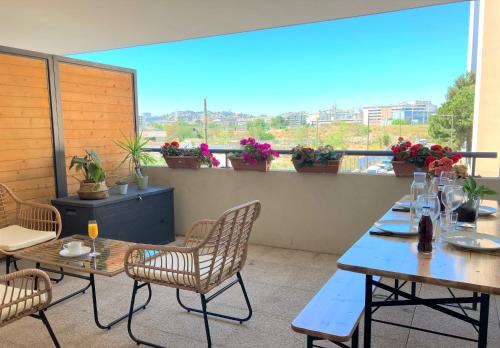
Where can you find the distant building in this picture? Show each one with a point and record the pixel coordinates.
(412, 112)
(295, 119)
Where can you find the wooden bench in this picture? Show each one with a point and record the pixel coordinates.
(333, 314)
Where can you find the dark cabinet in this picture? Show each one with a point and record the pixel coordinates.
(140, 216)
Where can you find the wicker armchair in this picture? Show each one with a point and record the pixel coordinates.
(25, 224)
(213, 252)
(25, 293)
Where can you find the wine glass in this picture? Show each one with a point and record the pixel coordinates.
(452, 197)
(93, 232)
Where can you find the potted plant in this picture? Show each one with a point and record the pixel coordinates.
(93, 185)
(122, 185)
(188, 158)
(134, 146)
(469, 210)
(322, 160)
(254, 156)
(409, 157)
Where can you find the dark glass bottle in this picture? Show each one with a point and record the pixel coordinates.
(425, 232)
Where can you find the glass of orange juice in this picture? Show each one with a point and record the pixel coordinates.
(93, 231)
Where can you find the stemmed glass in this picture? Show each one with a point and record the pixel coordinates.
(445, 178)
(93, 232)
(452, 197)
(431, 202)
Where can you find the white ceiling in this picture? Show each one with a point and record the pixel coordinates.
(71, 26)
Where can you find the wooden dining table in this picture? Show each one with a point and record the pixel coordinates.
(447, 266)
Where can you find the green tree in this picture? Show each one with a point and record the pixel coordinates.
(453, 122)
(182, 130)
(278, 122)
(259, 129)
(398, 122)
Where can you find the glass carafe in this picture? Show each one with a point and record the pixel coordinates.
(418, 187)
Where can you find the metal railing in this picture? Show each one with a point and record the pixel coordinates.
(470, 155)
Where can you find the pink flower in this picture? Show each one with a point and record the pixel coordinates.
(275, 153)
(215, 162)
(243, 142)
(204, 147)
(246, 156)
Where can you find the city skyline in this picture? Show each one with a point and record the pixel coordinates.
(377, 59)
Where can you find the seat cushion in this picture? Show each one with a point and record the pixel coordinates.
(186, 265)
(16, 309)
(15, 237)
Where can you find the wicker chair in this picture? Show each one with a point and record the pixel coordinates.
(25, 293)
(213, 252)
(25, 224)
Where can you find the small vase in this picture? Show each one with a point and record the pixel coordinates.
(142, 183)
(122, 189)
(468, 213)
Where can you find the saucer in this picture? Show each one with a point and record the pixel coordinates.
(83, 250)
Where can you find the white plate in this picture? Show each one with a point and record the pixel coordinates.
(484, 210)
(402, 204)
(473, 241)
(84, 250)
(397, 227)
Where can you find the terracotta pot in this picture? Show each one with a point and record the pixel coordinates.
(332, 167)
(87, 191)
(405, 169)
(239, 164)
(186, 162)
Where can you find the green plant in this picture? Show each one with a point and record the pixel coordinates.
(475, 191)
(122, 181)
(307, 156)
(91, 168)
(134, 146)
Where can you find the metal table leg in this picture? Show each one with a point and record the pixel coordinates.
(483, 320)
(368, 311)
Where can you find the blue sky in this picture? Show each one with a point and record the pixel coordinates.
(378, 59)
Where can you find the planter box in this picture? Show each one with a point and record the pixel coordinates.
(239, 164)
(405, 169)
(185, 162)
(332, 167)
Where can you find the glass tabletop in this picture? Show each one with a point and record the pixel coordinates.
(109, 263)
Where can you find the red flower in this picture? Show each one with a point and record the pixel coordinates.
(447, 148)
(175, 143)
(436, 147)
(166, 145)
(428, 160)
(400, 139)
(440, 153)
(456, 157)
(408, 144)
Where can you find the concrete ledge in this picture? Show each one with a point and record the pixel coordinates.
(315, 212)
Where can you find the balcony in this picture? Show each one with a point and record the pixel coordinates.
(53, 107)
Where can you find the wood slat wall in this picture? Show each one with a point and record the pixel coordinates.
(26, 151)
(96, 104)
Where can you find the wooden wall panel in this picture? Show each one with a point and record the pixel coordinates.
(26, 151)
(96, 104)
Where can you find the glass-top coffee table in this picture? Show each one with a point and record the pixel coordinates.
(109, 263)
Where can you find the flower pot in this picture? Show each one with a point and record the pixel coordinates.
(142, 182)
(186, 162)
(332, 167)
(238, 163)
(122, 189)
(88, 191)
(404, 169)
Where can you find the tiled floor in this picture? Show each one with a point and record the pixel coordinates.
(279, 282)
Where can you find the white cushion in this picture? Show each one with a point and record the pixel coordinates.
(5, 295)
(174, 263)
(15, 237)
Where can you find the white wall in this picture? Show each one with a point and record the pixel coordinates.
(316, 212)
